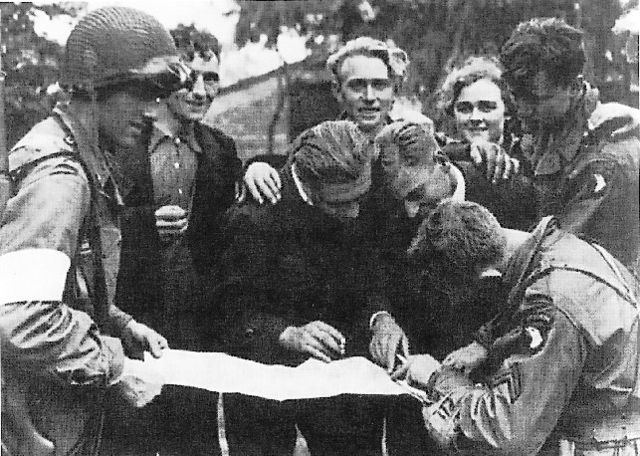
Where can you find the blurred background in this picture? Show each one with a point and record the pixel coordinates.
(273, 79)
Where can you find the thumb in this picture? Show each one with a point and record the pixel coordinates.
(475, 155)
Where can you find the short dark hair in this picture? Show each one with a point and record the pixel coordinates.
(332, 152)
(543, 44)
(459, 236)
(192, 42)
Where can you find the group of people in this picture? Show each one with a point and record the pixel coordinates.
(133, 226)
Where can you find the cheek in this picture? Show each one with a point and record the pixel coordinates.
(349, 96)
(461, 119)
(495, 119)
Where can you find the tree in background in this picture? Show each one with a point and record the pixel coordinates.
(437, 34)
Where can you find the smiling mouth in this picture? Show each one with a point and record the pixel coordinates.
(369, 111)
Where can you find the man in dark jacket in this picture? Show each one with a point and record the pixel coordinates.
(170, 238)
(295, 284)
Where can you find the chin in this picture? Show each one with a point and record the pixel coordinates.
(369, 125)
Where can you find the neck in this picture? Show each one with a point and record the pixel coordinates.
(85, 113)
(172, 123)
(514, 240)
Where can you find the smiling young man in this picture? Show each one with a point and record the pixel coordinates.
(170, 235)
(587, 178)
(60, 239)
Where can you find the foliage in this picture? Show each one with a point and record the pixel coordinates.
(437, 34)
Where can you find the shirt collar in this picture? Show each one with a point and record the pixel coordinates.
(166, 126)
(299, 186)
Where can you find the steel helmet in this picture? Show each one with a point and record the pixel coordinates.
(117, 44)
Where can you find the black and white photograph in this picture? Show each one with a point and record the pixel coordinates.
(320, 228)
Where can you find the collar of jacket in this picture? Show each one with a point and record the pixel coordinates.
(168, 126)
(524, 260)
(98, 164)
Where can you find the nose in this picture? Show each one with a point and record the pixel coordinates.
(370, 93)
(199, 89)
(476, 115)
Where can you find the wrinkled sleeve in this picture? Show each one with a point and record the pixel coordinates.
(516, 410)
(600, 183)
(46, 212)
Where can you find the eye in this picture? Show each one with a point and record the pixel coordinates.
(487, 106)
(210, 76)
(357, 85)
(464, 107)
(380, 84)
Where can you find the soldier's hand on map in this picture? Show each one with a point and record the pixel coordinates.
(263, 181)
(138, 338)
(417, 370)
(466, 358)
(139, 383)
(171, 221)
(387, 341)
(497, 163)
(318, 339)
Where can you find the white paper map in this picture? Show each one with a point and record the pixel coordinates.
(227, 374)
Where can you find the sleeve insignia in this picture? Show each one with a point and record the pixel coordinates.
(600, 183)
(511, 380)
(535, 338)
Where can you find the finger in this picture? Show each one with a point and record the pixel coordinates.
(273, 188)
(316, 350)
(337, 335)
(263, 187)
(490, 155)
(171, 225)
(327, 341)
(508, 169)
(276, 179)
(516, 166)
(623, 130)
(155, 348)
(170, 212)
(390, 349)
(405, 346)
(255, 193)
(401, 372)
(501, 163)
(475, 154)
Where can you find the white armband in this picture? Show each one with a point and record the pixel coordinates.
(33, 275)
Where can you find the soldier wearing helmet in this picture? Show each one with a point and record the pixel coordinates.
(62, 336)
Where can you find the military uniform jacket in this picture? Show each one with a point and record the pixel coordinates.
(65, 200)
(563, 356)
(588, 180)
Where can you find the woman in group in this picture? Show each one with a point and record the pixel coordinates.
(475, 109)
